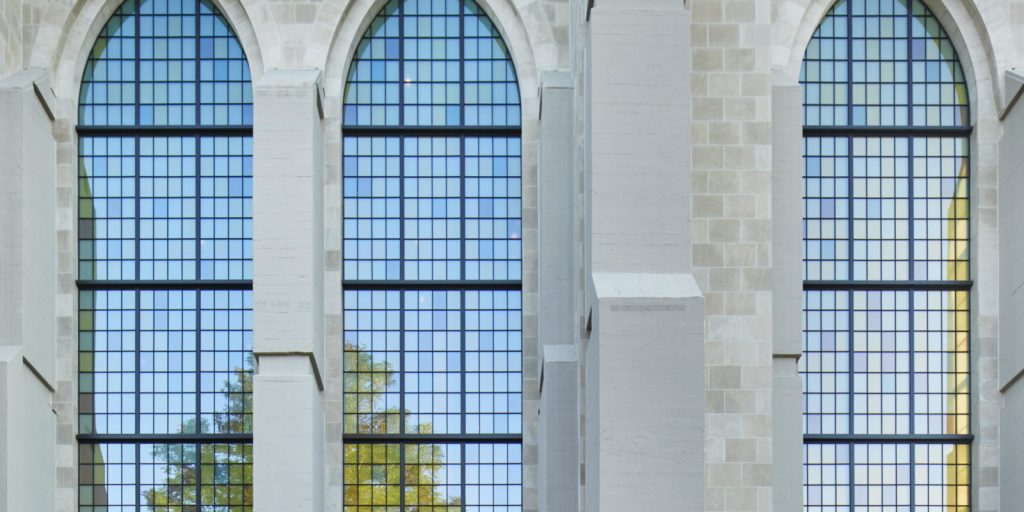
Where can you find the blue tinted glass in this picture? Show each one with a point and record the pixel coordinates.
(435, 210)
(883, 63)
(165, 261)
(435, 476)
(165, 208)
(125, 476)
(166, 63)
(451, 360)
(165, 362)
(425, 63)
(887, 318)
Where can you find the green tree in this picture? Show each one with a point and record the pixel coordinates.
(223, 472)
(373, 472)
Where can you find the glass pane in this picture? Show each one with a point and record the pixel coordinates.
(165, 208)
(447, 361)
(166, 477)
(887, 63)
(140, 351)
(908, 352)
(432, 63)
(449, 477)
(894, 476)
(903, 201)
(166, 63)
(433, 208)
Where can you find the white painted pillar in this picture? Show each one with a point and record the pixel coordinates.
(557, 322)
(288, 288)
(1011, 299)
(644, 361)
(787, 296)
(28, 270)
(559, 429)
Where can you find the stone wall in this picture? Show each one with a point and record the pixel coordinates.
(732, 235)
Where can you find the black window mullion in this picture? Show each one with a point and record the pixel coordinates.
(198, 469)
(136, 296)
(401, 365)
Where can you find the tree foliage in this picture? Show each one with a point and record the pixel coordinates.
(374, 476)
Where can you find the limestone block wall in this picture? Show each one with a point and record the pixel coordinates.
(732, 235)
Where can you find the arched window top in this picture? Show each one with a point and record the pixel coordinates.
(883, 63)
(439, 63)
(166, 63)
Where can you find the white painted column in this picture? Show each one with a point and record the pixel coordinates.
(557, 329)
(787, 296)
(644, 360)
(288, 285)
(1011, 297)
(28, 263)
(559, 429)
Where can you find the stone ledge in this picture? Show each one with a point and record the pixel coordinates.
(314, 365)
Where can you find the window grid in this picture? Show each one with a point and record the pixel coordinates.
(449, 477)
(125, 477)
(433, 208)
(433, 362)
(165, 267)
(432, 263)
(886, 262)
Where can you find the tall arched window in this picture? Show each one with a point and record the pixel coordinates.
(886, 364)
(165, 263)
(432, 263)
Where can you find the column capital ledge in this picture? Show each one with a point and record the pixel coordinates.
(634, 285)
(1014, 87)
(556, 79)
(36, 79)
(301, 78)
(313, 363)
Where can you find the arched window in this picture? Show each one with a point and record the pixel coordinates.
(432, 263)
(165, 263)
(886, 363)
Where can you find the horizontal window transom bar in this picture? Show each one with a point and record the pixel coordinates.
(165, 438)
(886, 439)
(888, 285)
(157, 131)
(431, 285)
(433, 438)
(431, 131)
(240, 284)
(887, 131)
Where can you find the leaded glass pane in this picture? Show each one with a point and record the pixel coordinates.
(886, 363)
(166, 63)
(449, 477)
(438, 359)
(139, 352)
(165, 208)
(433, 205)
(879, 63)
(167, 477)
(165, 263)
(903, 201)
(432, 63)
(433, 208)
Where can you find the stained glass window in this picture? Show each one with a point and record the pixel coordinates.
(886, 362)
(165, 263)
(432, 163)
